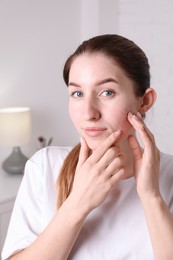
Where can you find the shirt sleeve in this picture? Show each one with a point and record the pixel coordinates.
(25, 221)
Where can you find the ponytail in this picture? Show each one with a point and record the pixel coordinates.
(66, 177)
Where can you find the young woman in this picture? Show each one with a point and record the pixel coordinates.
(107, 198)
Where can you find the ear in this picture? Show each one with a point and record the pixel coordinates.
(148, 100)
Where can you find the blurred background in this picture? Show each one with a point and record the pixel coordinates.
(37, 36)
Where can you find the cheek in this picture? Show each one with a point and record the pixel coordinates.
(74, 116)
(119, 119)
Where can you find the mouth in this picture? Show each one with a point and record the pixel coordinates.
(94, 131)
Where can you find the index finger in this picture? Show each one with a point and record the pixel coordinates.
(146, 136)
(101, 150)
(84, 152)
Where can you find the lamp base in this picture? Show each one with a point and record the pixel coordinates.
(15, 163)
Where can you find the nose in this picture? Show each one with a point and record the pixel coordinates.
(91, 110)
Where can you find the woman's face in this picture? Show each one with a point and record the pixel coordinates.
(101, 95)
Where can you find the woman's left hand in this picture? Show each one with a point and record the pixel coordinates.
(147, 160)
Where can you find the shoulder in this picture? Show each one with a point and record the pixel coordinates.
(51, 155)
(166, 178)
(47, 160)
(166, 162)
(166, 167)
(52, 152)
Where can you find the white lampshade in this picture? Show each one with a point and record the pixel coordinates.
(15, 126)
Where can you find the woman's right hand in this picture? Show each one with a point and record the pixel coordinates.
(97, 174)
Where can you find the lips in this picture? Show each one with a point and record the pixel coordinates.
(94, 131)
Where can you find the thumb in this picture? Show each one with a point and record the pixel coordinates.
(84, 153)
(135, 147)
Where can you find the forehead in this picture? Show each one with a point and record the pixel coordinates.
(94, 64)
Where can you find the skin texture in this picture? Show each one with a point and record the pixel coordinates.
(100, 98)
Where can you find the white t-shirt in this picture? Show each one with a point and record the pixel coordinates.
(114, 231)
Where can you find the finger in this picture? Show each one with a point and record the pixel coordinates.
(137, 122)
(84, 153)
(110, 155)
(115, 166)
(101, 150)
(141, 121)
(135, 147)
(118, 176)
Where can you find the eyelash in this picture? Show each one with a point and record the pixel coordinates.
(76, 92)
(80, 93)
(110, 91)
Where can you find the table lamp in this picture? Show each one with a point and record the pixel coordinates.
(15, 131)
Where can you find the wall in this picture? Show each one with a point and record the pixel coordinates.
(98, 17)
(36, 37)
(150, 24)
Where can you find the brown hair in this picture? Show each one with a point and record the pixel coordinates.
(66, 177)
(132, 60)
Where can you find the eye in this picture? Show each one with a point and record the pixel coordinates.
(107, 93)
(77, 94)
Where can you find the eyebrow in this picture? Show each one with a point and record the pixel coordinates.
(107, 80)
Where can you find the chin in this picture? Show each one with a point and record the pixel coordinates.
(93, 144)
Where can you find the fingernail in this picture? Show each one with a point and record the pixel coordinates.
(131, 114)
(136, 116)
(139, 115)
(117, 133)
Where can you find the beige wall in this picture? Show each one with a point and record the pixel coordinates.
(37, 36)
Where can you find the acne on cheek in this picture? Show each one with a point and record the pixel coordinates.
(124, 124)
(126, 127)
